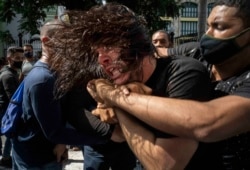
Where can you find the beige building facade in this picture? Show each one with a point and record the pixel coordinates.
(192, 19)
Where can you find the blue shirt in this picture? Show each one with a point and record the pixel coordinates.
(44, 126)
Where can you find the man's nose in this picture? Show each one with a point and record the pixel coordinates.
(103, 59)
(209, 31)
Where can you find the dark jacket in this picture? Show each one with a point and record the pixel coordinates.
(8, 85)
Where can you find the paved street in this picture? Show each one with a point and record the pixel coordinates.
(75, 161)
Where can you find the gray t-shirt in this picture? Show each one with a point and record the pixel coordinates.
(27, 66)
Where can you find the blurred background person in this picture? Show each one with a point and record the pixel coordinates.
(29, 60)
(8, 84)
(161, 38)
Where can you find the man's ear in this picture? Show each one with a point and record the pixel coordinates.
(44, 39)
(9, 59)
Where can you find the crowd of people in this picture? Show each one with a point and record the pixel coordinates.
(221, 122)
(9, 81)
(130, 100)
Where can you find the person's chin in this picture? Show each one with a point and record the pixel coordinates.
(121, 81)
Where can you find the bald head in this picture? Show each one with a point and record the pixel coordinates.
(47, 36)
(49, 28)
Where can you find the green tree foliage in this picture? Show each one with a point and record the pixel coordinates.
(153, 9)
(5, 36)
(34, 11)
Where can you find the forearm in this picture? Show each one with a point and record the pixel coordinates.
(155, 111)
(183, 49)
(201, 121)
(152, 157)
(85, 122)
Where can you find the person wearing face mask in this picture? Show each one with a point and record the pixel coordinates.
(225, 50)
(127, 55)
(8, 84)
(28, 62)
(37, 145)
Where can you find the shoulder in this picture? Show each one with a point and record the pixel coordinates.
(40, 74)
(7, 72)
(184, 49)
(236, 85)
(5, 69)
(185, 64)
(186, 78)
(29, 62)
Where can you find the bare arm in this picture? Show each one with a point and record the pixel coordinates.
(208, 121)
(61, 152)
(204, 121)
(184, 49)
(155, 153)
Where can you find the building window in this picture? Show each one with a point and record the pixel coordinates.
(209, 8)
(189, 27)
(189, 10)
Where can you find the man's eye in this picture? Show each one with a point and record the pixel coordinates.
(160, 40)
(219, 27)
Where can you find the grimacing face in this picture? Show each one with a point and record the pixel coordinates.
(113, 66)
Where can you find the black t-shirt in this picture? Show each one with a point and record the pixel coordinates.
(179, 77)
(235, 152)
(185, 78)
(76, 106)
(8, 85)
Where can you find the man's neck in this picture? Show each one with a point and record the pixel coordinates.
(29, 59)
(44, 59)
(231, 67)
(14, 68)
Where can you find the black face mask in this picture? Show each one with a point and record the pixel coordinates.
(28, 54)
(17, 64)
(216, 50)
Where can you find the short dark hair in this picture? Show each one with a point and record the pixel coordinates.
(243, 7)
(28, 45)
(164, 32)
(13, 49)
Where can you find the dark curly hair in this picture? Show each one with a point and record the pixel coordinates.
(70, 58)
(81, 32)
